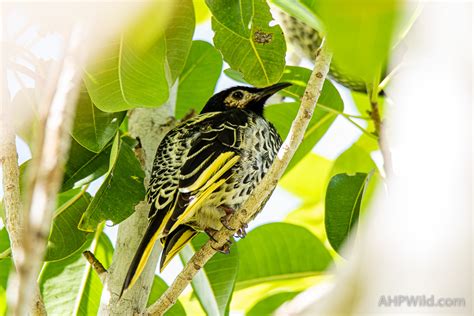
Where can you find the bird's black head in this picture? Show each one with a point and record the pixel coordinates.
(246, 98)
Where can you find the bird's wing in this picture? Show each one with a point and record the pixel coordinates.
(208, 165)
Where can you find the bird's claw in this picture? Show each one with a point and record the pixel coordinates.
(225, 248)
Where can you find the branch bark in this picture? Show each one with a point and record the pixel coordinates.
(261, 193)
(149, 126)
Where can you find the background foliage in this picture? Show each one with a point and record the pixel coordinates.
(275, 261)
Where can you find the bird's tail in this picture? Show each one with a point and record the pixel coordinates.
(174, 242)
(152, 233)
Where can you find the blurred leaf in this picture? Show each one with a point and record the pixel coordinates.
(157, 289)
(310, 216)
(65, 238)
(299, 10)
(282, 115)
(121, 190)
(269, 304)
(69, 286)
(359, 33)
(279, 251)
(129, 76)
(84, 166)
(94, 128)
(343, 200)
(199, 77)
(248, 43)
(214, 284)
(308, 179)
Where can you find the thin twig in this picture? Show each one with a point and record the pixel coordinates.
(263, 191)
(378, 125)
(96, 265)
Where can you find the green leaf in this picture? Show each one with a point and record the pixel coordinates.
(84, 166)
(282, 115)
(70, 287)
(246, 41)
(178, 37)
(359, 33)
(121, 190)
(299, 77)
(214, 283)
(65, 238)
(157, 289)
(129, 76)
(94, 128)
(279, 251)
(199, 77)
(343, 200)
(269, 304)
(5, 264)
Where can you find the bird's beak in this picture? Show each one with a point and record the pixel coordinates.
(268, 91)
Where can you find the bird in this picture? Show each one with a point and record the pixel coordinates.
(204, 169)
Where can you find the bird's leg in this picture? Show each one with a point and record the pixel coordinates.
(228, 213)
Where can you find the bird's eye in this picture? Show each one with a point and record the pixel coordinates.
(237, 95)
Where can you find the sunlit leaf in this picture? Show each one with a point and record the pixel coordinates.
(128, 76)
(246, 40)
(308, 179)
(94, 128)
(214, 283)
(199, 77)
(269, 305)
(343, 200)
(121, 190)
(279, 251)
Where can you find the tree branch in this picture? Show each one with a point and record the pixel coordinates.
(263, 191)
(45, 178)
(14, 214)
